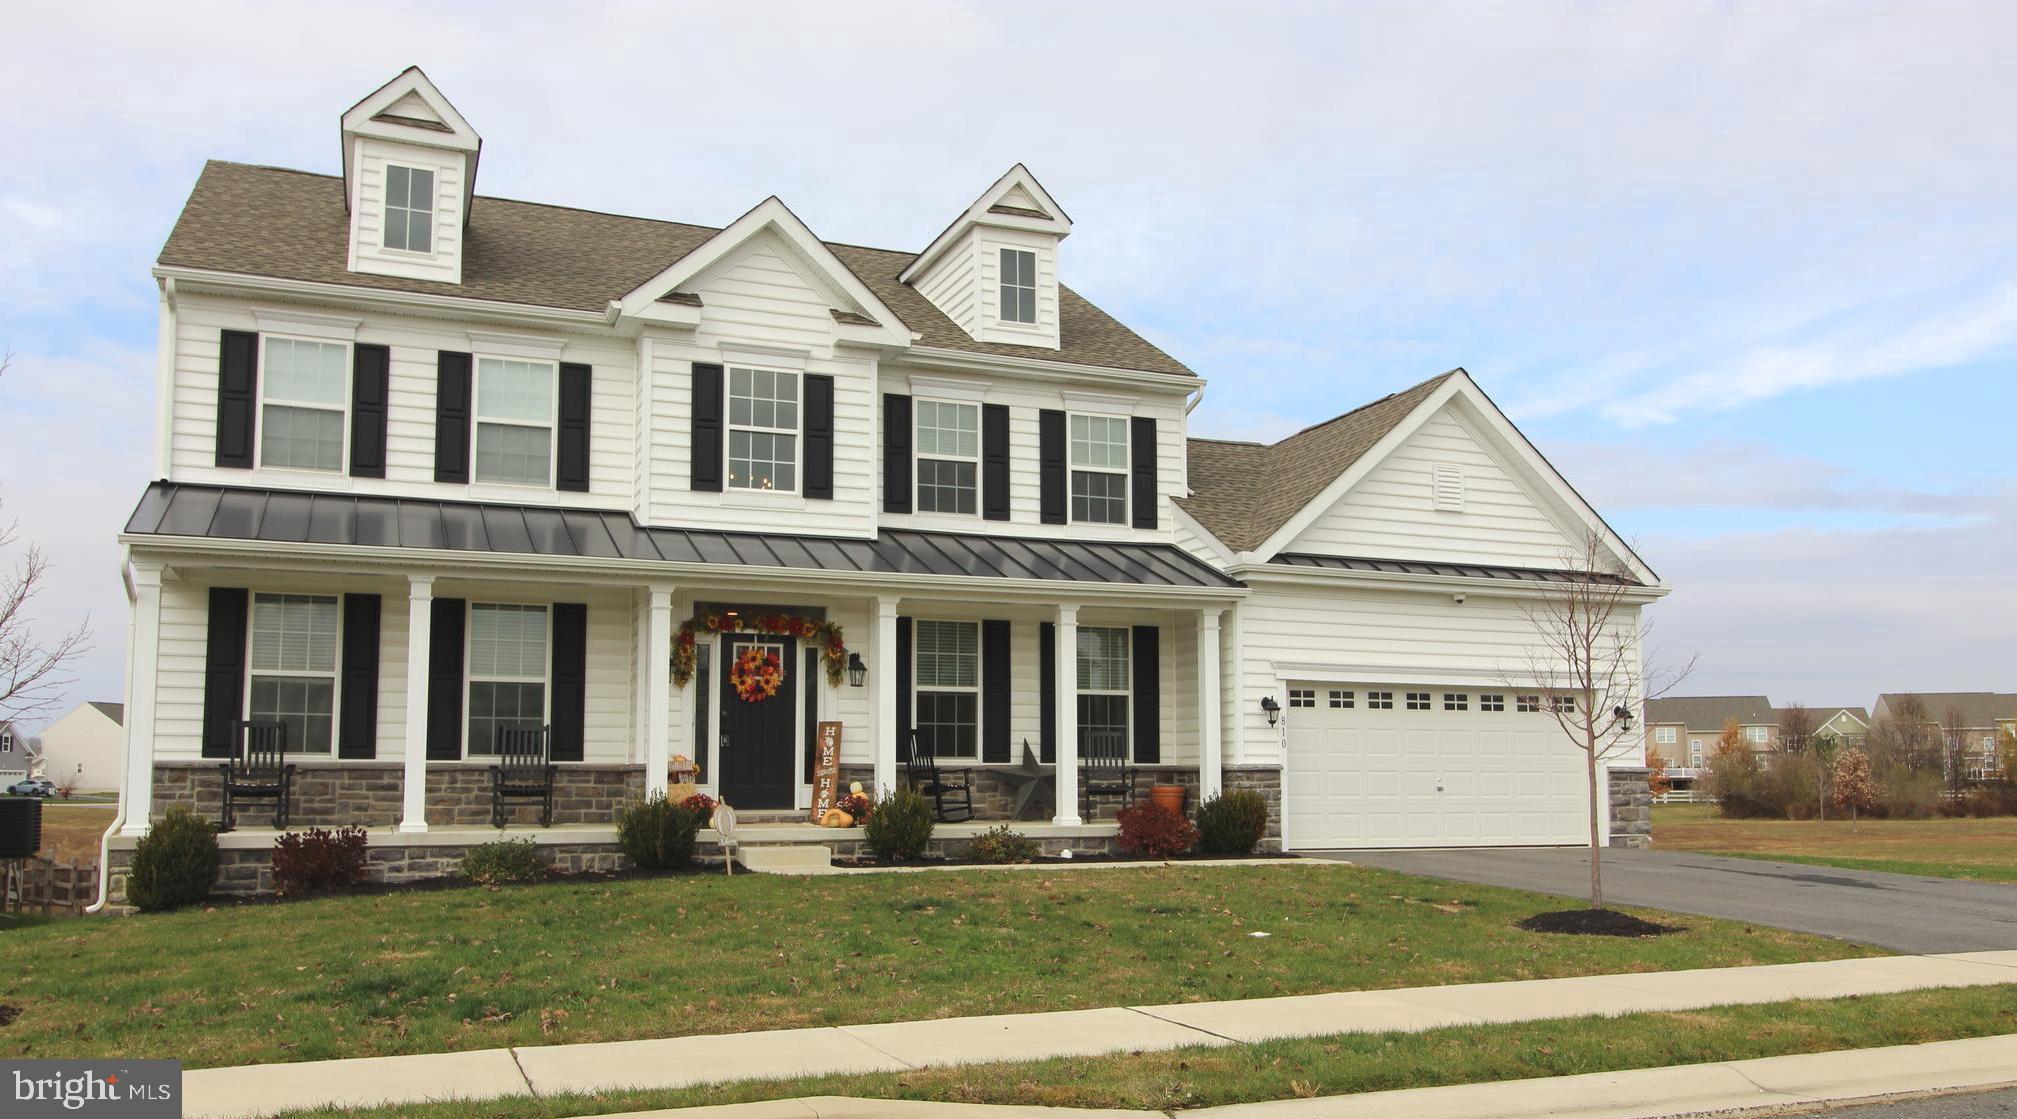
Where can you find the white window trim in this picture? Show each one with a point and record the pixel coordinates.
(1757, 736)
(433, 251)
(469, 677)
(729, 428)
(1128, 671)
(342, 467)
(1124, 473)
(1035, 287)
(335, 673)
(918, 456)
(980, 700)
(476, 419)
(1665, 736)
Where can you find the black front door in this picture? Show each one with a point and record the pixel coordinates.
(759, 738)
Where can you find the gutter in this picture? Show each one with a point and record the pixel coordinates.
(126, 760)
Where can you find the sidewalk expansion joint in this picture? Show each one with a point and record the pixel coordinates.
(849, 1032)
(1188, 1026)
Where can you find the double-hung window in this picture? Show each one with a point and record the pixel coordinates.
(1099, 450)
(409, 209)
(1103, 682)
(1018, 286)
(507, 670)
(514, 421)
(306, 385)
(1665, 736)
(293, 668)
(762, 430)
(948, 457)
(947, 666)
(1755, 735)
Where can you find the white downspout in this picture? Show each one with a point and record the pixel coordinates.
(118, 813)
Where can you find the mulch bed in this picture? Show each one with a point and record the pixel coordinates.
(1595, 922)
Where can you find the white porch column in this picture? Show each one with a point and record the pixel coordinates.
(658, 691)
(884, 676)
(419, 651)
(1211, 753)
(143, 672)
(1067, 697)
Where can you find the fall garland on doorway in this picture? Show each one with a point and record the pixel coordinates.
(819, 633)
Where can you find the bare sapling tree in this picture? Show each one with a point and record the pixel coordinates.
(1586, 661)
(33, 672)
(1796, 728)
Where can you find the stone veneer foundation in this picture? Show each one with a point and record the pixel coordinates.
(1631, 807)
(371, 794)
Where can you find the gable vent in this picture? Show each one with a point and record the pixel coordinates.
(1446, 483)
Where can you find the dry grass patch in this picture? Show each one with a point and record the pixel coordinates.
(1957, 848)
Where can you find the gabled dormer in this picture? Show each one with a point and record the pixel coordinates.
(409, 170)
(994, 270)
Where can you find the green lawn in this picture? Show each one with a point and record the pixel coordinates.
(1959, 848)
(602, 961)
(1345, 1063)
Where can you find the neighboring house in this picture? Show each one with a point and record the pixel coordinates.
(85, 747)
(1685, 729)
(1970, 722)
(18, 757)
(433, 463)
(1849, 726)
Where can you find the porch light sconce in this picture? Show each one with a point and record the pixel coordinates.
(1622, 714)
(857, 670)
(1272, 709)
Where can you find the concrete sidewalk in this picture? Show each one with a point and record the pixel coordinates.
(255, 1090)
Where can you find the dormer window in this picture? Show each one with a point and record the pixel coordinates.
(1018, 286)
(1099, 450)
(409, 209)
(762, 430)
(302, 404)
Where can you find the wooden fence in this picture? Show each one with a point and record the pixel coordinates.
(38, 885)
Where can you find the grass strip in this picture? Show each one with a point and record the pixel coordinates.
(1342, 1064)
(1977, 872)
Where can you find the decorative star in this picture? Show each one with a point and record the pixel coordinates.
(1029, 776)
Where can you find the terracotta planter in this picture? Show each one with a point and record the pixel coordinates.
(1168, 796)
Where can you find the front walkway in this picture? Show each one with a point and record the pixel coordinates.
(899, 1046)
(1902, 912)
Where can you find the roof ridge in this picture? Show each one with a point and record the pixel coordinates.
(1363, 407)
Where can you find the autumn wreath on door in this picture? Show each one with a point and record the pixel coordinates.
(817, 632)
(756, 673)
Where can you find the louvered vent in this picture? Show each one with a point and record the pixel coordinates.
(1447, 484)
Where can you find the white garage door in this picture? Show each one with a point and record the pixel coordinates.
(1392, 766)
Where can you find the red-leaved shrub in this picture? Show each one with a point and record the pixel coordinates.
(316, 860)
(1155, 831)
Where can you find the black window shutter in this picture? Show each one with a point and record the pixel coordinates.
(357, 722)
(571, 464)
(1047, 691)
(370, 386)
(224, 671)
(818, 439)
(813, 672)
(705, 426)
(444, 680)
(570, 680)
(1051, 464)
(451, 417)
(994, 462)
(994, 691)
(1148, 695)
(701, 699)
(1142, 445)
(896, 452)
(237, 397)
(905, 706)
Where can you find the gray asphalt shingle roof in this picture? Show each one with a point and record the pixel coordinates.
(1710, 712)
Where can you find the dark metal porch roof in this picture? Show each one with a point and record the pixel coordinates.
(1461, 570)
(172, 509)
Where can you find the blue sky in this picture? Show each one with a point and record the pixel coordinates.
(1744, 272)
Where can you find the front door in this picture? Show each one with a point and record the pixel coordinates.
(759, 740)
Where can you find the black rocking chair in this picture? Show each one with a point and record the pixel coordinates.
(941, 785)
(258, 770)
(524, 774)
(1104, 770)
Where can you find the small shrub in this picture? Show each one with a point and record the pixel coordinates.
(899, 826)
(656, 834)
(175, 863)
(1232, 823)
(1004, 844)
(504, 860)
(316, 860)
(1155, 831)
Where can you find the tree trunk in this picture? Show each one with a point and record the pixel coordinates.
(1596, 850)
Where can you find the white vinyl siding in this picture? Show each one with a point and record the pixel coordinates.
(507, 670)
(948, 457)
(292, 668)
(514, 421)
(946, 663)
(304, 390)
(762, 430)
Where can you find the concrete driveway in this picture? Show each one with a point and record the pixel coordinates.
(1902, 912)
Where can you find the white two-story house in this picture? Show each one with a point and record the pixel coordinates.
(433, 463)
